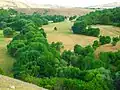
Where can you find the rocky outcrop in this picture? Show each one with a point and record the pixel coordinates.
(7, 83)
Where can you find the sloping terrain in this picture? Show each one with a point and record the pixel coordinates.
(57, 11)
(109, 5)
(7, 83)
(27, 7)
(13, 4)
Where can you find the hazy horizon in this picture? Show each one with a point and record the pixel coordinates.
(73, 3)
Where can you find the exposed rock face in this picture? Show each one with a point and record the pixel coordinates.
(7, 83)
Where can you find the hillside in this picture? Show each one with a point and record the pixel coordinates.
(57, 11)
(13, 4)
(109, 5)
(26, 7)
(7, 83)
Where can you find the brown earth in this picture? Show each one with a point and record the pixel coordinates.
(56, 11)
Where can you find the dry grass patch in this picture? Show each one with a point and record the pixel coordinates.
(6, 61)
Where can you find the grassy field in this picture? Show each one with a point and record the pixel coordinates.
(6, 61)
(65, 35)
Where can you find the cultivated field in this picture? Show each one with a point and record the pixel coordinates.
(65, 35)
(6, 61)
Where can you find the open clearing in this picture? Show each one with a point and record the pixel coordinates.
(65, 35)
(6, 61)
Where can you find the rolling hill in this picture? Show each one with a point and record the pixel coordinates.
(109, 5)
(26, 7)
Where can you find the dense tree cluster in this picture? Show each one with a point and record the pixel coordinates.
(54, 18)
(105, 17)
(16, 20)
(80, 27)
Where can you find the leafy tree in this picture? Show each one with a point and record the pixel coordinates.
(68, 72)
(8, 32)
(68, 56)
(117, 80)
(1, 71)
(95, 44)
(79, 27)
(115, 40)
(104, 40)
(58, 45)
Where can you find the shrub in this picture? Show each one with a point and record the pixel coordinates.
(1, 71)
(8, 32)
(104, 40)
(79, 27)
(95, 44)
(115, 40)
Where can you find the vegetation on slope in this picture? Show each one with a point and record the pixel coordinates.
(103, 17)
(41, 63)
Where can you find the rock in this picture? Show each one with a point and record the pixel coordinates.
(12, 87)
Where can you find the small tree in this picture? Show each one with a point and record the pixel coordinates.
(8, 32)
(95, 44)
(104, 40)
(115, 40)
(79, 27)
(1, 71)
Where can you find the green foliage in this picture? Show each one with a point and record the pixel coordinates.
(95, 44)
(72, 17)
(54, 18)
(3, 25)
(117, 80)
(1, 71)
(115, 40)
(80, 27)
(105, 17)
(68, 72)
(111, 60)
(92, 31)
(104, 40)
(58, 45)
(43, 64)
(8, 32)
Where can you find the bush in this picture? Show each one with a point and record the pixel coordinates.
(68, 72)
(8, 32)
(92, 31)
(72, 17)
(115, 40)
(95, 44)
(104, 40)
(1, 71)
